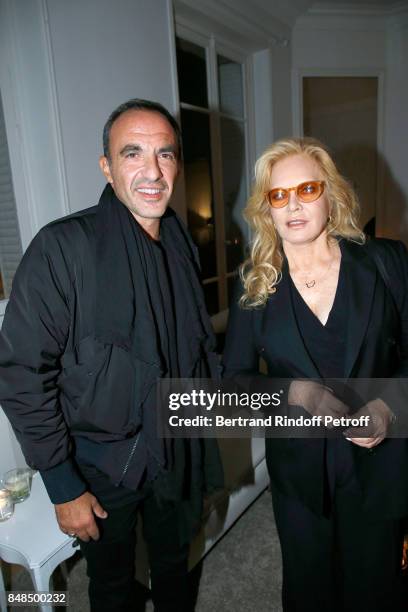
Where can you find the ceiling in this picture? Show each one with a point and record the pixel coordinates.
(255, 22)
(288, 11)
(386, 3)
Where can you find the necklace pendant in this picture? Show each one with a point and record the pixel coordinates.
(310, 284)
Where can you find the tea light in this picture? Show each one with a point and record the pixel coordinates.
(17, 482)
(6, 505)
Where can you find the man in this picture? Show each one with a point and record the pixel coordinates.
(104, 302)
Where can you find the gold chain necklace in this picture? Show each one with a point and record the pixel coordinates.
(311, 283)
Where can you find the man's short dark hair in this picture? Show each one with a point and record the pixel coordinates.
(142, 105)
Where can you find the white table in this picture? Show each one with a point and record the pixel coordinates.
(32, 538)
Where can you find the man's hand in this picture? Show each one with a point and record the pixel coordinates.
(380, 419)
(316, 399)
(76, 517)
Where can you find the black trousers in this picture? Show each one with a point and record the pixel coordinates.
(342, 562)
(111, 559)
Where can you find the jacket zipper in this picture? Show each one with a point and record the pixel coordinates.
(132, 452)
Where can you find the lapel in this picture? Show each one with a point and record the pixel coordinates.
(361, 275)
(280, 327)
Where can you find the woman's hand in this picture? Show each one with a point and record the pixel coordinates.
(317, 399)
(380, 419)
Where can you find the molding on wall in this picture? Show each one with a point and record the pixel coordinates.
(55, 110)
(352, 18)
(179, 196)
(235, 27)
(28, 134)
(349, 9)
(342, 22)
(173, 56)
(11, 83)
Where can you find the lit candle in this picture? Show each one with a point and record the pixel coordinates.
(6, 505)
(18, 483)
(4, 498)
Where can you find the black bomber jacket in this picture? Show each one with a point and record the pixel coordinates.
(60, 388)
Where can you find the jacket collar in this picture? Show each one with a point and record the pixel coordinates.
(361, 280)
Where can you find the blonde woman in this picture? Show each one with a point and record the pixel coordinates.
(315, 304)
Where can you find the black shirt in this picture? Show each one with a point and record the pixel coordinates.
(324, 343)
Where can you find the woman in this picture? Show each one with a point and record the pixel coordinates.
(314, 304)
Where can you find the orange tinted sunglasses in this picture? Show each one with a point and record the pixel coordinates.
(306, 192)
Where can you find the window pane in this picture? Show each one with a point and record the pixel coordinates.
(199, 193)
(10, 242)
(230, 87)
(211, 297)
(192, 73)
(235, 190)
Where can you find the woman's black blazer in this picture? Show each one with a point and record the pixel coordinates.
(376, 347)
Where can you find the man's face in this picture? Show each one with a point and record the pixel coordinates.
(143, 165)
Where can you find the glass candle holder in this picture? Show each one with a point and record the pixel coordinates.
(6, 505)
(17, 482)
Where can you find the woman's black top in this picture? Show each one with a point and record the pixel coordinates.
(324, 343)
(326, 347)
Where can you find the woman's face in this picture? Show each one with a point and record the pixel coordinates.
(299, 223)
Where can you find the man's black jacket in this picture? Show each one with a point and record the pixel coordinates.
(59, 385)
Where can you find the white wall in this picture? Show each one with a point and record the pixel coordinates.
(365, 45)
(104, 53)
(339, 42)
(281, 90)
(335, 46)
(64, 66)
(272, 95)
(25, 84)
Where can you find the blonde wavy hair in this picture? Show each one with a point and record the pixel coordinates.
(262, 271)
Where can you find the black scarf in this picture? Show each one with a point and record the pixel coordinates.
(129, 314)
